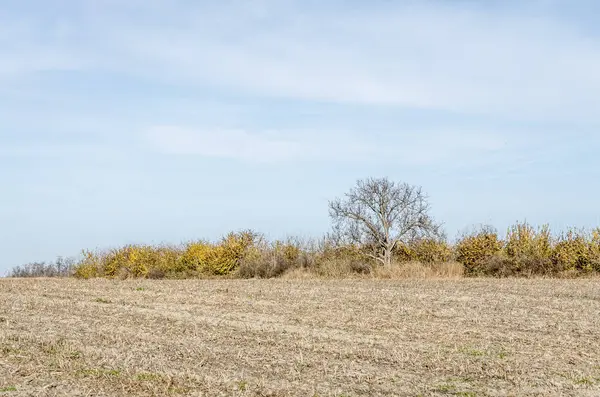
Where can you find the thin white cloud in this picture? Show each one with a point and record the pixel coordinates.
(426, 57)
(236, 144)
(431, 55)
(420, 148)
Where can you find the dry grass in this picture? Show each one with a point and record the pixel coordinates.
(417, 270)
(282, 337)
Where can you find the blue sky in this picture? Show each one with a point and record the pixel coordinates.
(162, 121)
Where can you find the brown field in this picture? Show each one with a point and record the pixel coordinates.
(471, 337)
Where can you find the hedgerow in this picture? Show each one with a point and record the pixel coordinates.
(524, 251)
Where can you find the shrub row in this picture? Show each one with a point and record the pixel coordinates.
(190, 260)
(524, 251)
(240, 255)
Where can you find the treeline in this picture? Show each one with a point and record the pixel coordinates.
(61, 267)
(524, 251)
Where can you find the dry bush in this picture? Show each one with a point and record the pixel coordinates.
(62, 267)
(130, 259)
(228, 254)
(594, 248)
(333, 260)
(272, 260)
(500, 265)
(574, 251)
(476, 249)
(426, 250)
(524, 241)
(216, 259)
(347, 252)
(527, 252)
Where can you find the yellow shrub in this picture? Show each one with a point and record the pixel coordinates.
(430, 251)
(528, 251)
(86, 271)
(572, 252)
(227, 255)
(167, 260)
(131, 260)
(288, 251)
(196, 256)
(523, 240)
(404, 253)
(89, 267)
(473, 251)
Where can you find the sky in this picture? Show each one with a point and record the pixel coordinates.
(161, 121)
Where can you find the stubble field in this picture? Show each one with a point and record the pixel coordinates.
(478, 337)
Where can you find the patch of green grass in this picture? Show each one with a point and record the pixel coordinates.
(585, 381)
(446, 388)
(7, 389)
(242, 385)
(102, 300)
(140, 289)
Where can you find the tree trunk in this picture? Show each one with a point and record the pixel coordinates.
(387, 256)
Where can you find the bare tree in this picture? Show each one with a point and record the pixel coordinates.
(379, 214)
